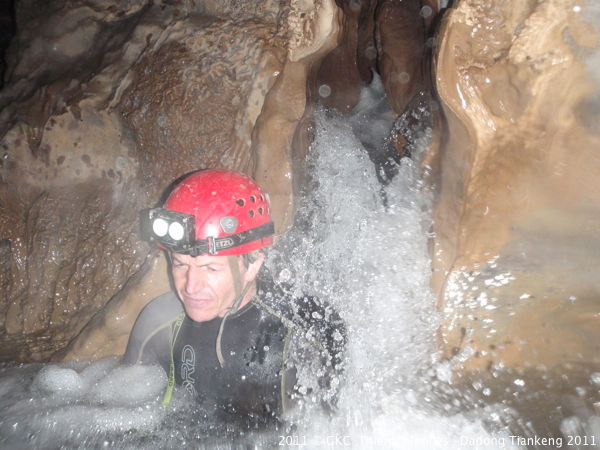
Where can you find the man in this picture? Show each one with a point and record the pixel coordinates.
(215, 335)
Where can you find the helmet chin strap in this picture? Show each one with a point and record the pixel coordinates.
(239, 296)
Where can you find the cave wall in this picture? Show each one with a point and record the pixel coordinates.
(515, 251)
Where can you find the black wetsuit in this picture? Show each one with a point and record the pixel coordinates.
(258, 376)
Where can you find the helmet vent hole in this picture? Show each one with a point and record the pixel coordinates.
(240, 202)
(253, 199)
(261, 198)
(260, 211)
(251, 213)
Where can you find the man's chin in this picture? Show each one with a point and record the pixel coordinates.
(200, 311)
(199, 315)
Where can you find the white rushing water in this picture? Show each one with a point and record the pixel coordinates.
(360, 246)
(364, 249)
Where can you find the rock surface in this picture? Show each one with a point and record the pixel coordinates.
(516, 253)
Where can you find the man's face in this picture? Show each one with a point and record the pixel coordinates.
(205, 284)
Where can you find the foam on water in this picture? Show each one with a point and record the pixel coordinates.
(65, 405)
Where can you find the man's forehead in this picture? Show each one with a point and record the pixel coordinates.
(202, 260)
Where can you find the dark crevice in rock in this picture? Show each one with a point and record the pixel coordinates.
(7, 31)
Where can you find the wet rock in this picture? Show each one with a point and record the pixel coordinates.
(401, 35)
(341, 72)
(518, 184)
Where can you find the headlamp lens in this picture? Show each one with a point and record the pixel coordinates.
(160, 227)
(176, 231)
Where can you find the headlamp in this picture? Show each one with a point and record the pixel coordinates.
(176, 232)
(172, 230)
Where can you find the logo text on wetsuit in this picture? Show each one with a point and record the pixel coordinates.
(188, 362)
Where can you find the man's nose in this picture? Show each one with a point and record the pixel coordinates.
(194, 281)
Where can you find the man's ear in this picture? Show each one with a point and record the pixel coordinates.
(254, 267)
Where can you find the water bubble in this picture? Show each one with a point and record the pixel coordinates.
(284, 276)
(431, 42)
(56, 379)
(426, 11)
(324, 91)
(444, 372)
(337, 336)
(404, 78)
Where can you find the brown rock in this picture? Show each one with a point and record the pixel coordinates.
(519, 185)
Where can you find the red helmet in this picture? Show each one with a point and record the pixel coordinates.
(223, 213)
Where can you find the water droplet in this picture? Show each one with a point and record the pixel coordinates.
(284, 275)
(324, 91)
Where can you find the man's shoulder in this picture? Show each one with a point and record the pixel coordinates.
(162, 308)
(149, 337)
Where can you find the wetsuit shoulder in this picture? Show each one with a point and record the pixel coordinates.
(149, 339)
